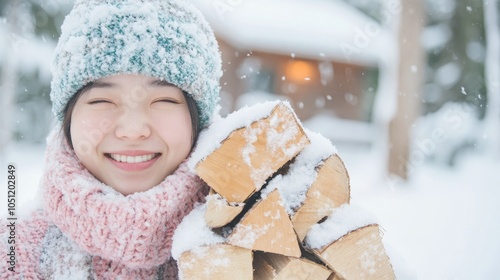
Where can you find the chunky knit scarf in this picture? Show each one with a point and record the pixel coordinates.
(98, 229)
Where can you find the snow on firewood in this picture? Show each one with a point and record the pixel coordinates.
(248, 156)
(280, 136)
(211, 138)
(302, 173)
(220, 261)
(344, 219)
(193, 233)
(359, 254)
(266, 227)
(219, 211)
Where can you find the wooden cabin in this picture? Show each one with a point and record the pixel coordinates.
(321, 55)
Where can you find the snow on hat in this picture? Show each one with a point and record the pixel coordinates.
(167, 39)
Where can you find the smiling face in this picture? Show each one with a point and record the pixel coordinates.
(131, 131)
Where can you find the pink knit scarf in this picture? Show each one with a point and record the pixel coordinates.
(136, 230)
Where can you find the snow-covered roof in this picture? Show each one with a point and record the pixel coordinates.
(315, 29)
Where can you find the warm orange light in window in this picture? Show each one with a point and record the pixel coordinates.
(299, 71)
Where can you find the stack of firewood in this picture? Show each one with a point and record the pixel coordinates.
(272, 184)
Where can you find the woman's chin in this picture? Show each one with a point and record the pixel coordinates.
(128, 187)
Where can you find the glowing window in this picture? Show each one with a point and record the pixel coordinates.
(300, 71)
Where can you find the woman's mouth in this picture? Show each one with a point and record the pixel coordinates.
(133, 159)
(133, 163)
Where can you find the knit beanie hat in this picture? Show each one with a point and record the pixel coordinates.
(166, 39)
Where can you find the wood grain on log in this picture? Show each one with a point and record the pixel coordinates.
(219, 212)
(330, 190)
(250, 155)
(359, 254)
(219, 261)
(268, 266)
(267, 227)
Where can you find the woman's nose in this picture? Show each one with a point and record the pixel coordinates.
(133, 124)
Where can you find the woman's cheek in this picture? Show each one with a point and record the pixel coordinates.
(174, 127)
(88, 129)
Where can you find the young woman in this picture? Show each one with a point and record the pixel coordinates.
(133, 83)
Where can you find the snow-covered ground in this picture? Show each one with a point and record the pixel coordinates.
(444, 222)
(29, 161)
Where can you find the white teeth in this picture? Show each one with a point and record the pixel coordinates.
(130, 159)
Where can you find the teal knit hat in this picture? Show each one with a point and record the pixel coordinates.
(166, 39)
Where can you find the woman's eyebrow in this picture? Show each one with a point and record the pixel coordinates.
(160, 83)
(100, 84)
(96, 84)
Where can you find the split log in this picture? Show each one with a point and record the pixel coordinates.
(268, 266)
(359, 254)
(334, 276)
(220, 212)
(267, 227)
(220, 261)
(250, 155)
(330, 190)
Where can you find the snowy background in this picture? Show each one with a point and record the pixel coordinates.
(443, 221)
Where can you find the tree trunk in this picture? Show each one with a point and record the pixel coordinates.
(411, 73)
(492, 76)
(7, 80)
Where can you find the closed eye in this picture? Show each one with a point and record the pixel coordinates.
(168, 100)
(99, 101)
